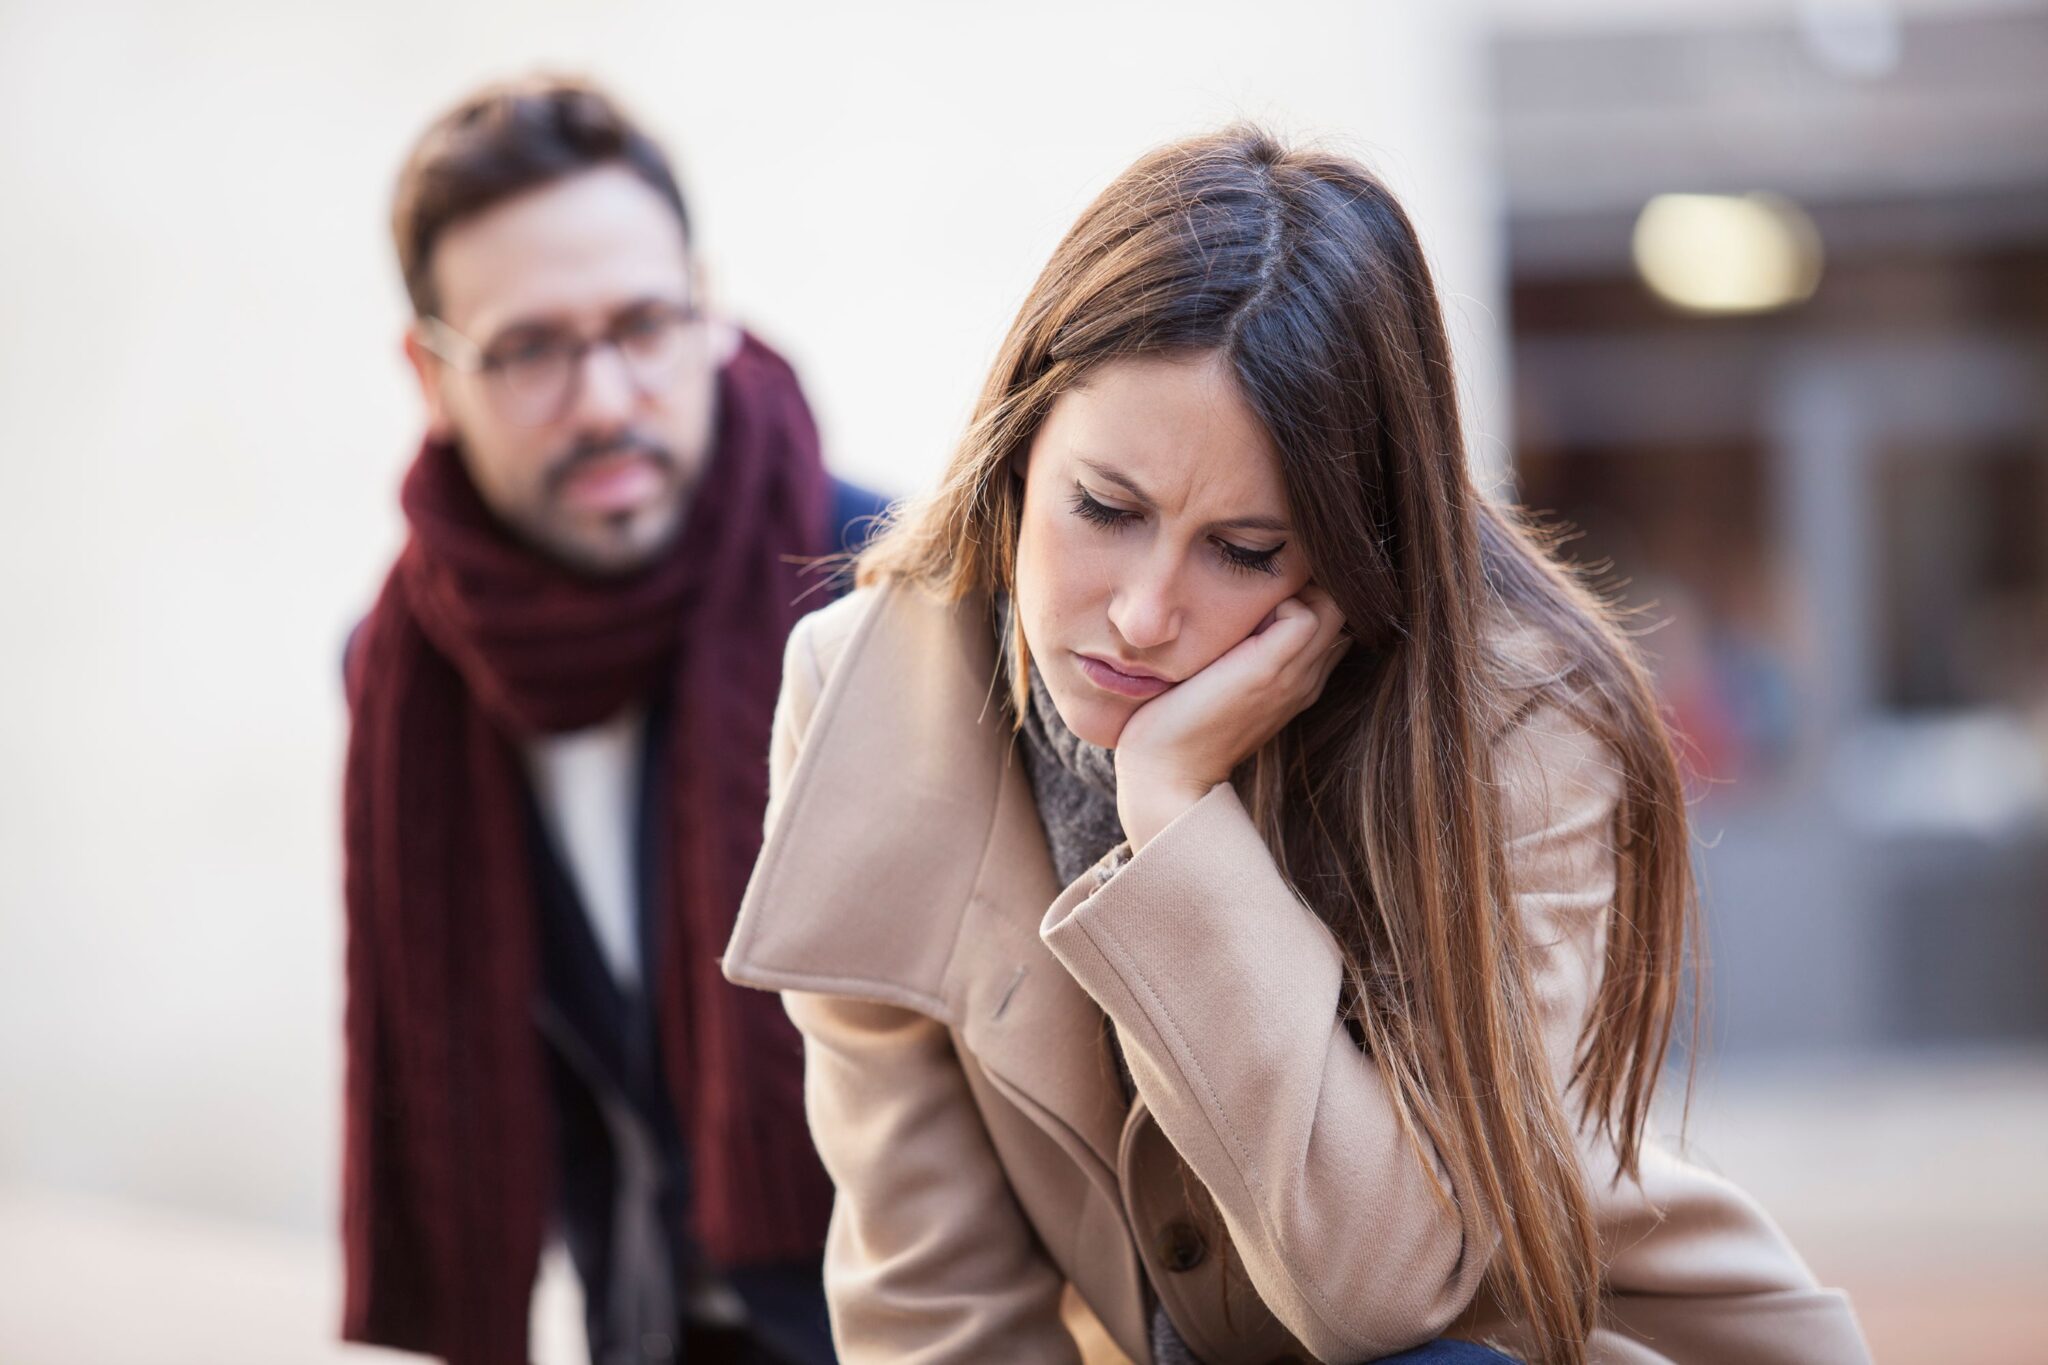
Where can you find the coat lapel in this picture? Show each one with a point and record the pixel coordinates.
(1033, 1028)
(906, 864)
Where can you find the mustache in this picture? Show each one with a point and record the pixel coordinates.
(593, 448)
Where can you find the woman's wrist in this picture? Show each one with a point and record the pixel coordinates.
(1146, 808)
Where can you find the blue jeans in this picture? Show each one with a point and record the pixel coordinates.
(1444, 1351)
(786, 1305)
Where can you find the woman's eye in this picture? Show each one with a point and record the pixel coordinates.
(1251, 561)
(1102, 514)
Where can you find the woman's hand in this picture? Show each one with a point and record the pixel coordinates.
(1177, 746)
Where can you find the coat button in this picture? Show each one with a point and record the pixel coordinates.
(1181, 1247)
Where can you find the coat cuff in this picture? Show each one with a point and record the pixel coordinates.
(1201, 906)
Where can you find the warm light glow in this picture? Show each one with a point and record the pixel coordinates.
(1725, 253)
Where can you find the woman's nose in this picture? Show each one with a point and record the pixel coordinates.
(1145, 608)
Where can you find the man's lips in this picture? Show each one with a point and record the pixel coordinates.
(1139, 684)
(613, 483)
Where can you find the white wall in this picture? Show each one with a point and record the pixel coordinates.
(203, 418)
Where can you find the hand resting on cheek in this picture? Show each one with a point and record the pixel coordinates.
(1183, 742)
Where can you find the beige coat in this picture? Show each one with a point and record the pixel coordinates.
(998, 1201)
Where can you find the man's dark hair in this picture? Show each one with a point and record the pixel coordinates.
(501, 142)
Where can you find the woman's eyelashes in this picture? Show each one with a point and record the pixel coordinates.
(1234, 556)
(1102, 514)
(1251, 561)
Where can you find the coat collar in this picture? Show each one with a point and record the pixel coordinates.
(906, 863)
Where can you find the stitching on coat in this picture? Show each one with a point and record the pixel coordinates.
(1009, 991)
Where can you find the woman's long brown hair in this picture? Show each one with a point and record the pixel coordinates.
(1378, 802)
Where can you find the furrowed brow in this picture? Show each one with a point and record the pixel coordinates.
(1275, 525)
(1123, 481)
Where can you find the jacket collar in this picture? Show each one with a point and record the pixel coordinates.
(906, 863)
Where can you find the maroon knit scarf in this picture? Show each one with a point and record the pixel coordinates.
(475, 643)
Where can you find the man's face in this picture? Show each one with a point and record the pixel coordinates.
(601, 479)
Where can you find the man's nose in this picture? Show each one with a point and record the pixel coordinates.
(606, 393)
(1145, 608)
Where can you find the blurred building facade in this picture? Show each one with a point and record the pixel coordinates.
(1832, 514)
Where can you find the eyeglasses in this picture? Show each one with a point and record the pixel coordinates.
(532, 373)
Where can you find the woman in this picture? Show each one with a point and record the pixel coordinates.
(1232, 883)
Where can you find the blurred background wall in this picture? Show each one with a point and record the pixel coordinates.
(1840, 504)
(1834, 504)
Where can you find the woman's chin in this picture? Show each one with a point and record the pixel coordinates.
(1102, 724)
(1093, 717)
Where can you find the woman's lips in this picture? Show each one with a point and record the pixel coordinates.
(1111, 679)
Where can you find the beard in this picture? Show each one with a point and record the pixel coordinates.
(614, 543)
(589, 450)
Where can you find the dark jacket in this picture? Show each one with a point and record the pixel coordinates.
(604, 1051)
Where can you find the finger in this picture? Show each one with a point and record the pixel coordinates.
(1294, 626)
(1329, 616)
(1334, 655)
(1275, 651)
(1327, 665)
(1329, 623)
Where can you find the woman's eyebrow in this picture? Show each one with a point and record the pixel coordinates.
(1273, 524)
(1254, 523)
(1123, 481)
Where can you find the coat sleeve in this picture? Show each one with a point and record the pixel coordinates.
(1224, 988)
(928, 1258)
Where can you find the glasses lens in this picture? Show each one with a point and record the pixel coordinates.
(654, 345)
(531, 383)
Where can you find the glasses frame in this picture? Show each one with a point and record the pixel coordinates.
(442, 340)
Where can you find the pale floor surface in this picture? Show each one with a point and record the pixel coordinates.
(85, 1282)
(1921, 1187)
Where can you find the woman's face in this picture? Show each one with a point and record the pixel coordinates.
(1155, 536)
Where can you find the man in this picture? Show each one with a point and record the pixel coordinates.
(556, 773)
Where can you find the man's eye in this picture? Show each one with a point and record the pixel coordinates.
(1102, 514)
(649, 336)
(528, 351)
(639, 326)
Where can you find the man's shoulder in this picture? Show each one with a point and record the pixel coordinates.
(856, 512)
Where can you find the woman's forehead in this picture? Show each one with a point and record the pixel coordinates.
(1178, 429)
